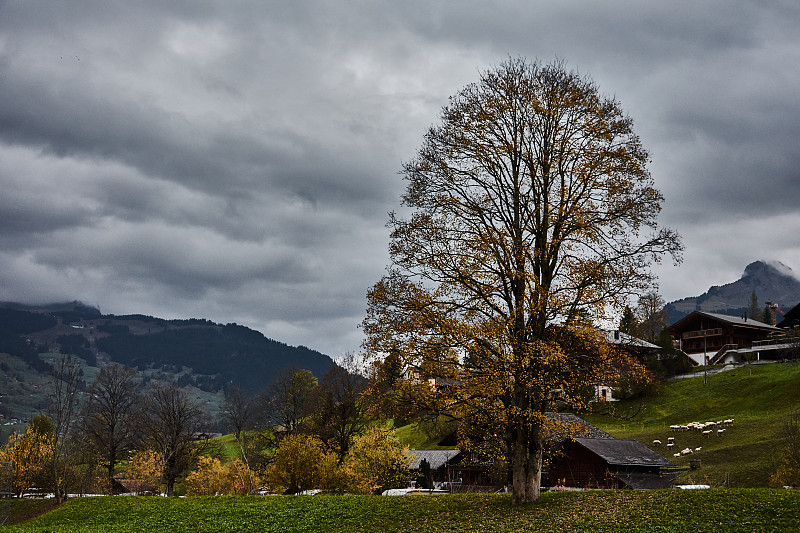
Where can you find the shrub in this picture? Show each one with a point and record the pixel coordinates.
(211, 477)
(377, 461)
(297, 465)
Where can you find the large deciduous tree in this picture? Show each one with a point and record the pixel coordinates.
(530, 213)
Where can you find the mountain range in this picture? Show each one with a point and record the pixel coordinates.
(218, 354)
(771, 281)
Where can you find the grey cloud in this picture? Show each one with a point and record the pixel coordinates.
(236, 161)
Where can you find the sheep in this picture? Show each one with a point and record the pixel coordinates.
(670, 444)
(707, 433)
(656, 442)
(686, 451)
(676, 454)
(720, 432)
(728, 421)
(698, 448)
(670, 439)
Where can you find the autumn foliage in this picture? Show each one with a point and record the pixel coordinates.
(531, 217)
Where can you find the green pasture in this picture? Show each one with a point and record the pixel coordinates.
(671, 510)
(758, 399)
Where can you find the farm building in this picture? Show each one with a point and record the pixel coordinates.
(609, 464)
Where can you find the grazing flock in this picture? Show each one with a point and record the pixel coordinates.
(705, 428)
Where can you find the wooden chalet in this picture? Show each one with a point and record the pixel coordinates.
(791, 318)
(705, 337)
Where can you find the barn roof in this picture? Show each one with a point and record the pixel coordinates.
(623, 452)
(435, 458)
(574, 426)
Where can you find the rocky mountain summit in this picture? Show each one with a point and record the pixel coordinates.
(771, 281)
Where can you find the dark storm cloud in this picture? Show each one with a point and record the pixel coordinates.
(236, 160)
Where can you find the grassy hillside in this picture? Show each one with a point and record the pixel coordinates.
(757, 398)
(736, 510)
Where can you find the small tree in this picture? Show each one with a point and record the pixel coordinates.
(296, 466)
(753, 311)
(651, 317)
(768, 316)
(32, 455)
(378, 461)
(62, 404)
(289, 398)
(788, 472)
(627, 324)
(145, 470)
(211, 477)
(337, 411)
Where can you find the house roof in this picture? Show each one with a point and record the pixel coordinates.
(623, 452)
(435, 458)
(791, 317)
(574, 426)
(730, 319)
(615, 336)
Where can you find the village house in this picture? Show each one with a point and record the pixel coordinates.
(707, 337)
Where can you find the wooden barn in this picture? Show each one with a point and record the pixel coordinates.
(609, 464)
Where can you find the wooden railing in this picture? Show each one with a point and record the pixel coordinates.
(701, 333)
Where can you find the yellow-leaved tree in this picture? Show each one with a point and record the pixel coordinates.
(297, 465)
(529, 215)
(377, 461)
(31, 454)
(211, 477)
(145, 470)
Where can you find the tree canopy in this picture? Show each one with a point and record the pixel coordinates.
(529, 214)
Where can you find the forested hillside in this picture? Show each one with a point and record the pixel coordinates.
(195, 352)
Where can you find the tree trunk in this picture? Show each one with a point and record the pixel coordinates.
(526, 467)
(111, 466)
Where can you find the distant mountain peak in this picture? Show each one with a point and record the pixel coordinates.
(772, 281)
(759, 268)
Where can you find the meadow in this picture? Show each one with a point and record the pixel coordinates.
(758, 398)
(670, 510)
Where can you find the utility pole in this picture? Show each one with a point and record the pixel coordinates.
(705, 357)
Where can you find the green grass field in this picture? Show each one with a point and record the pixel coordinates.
(757, 398)
(671, 510)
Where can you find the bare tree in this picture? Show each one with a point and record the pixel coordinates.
(289, 396)
(338, 414)
(111, 420)
(241, 410)
(651, 317)
(174, 422)
(244, 414)
(62, 404)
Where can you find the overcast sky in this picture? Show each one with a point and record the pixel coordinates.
(236, 160)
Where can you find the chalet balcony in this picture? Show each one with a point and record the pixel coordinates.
(701, 333)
